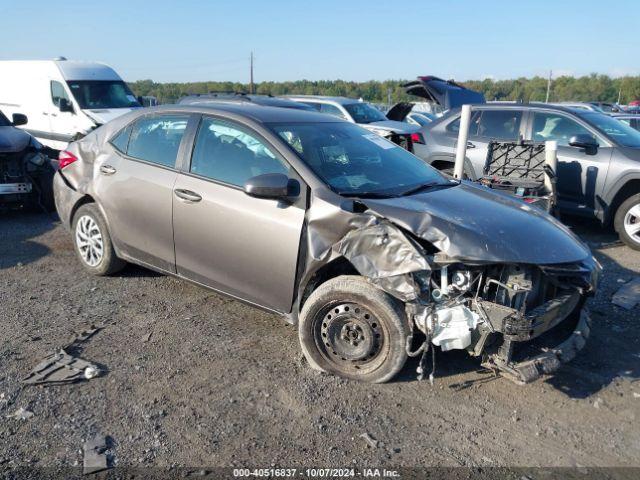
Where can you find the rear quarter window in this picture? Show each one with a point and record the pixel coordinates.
(121, 140)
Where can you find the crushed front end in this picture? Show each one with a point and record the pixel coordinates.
(522, 320)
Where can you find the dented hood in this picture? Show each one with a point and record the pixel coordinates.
(13, 139)
(469, 222)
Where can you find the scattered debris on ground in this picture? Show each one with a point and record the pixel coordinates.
(21, 414)
(61, 368)
(628, 296)
(372, 442)
(95, 457)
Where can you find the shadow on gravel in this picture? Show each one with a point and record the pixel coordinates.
(136, 271)
(18, 228)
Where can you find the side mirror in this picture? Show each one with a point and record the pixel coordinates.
(583, 140)
(64, 105)
(19, 119)
(272, 185)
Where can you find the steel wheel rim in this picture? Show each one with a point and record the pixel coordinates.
(89, 241)
(350, 338)
(632, 222)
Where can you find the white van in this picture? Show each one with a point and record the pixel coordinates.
(63, 99)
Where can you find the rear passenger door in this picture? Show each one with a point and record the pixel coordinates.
(135, 187)
(243, 246)
(487, 125)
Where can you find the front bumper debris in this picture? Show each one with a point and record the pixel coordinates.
(546, 362)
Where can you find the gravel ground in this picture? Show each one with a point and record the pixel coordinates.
(218, 383)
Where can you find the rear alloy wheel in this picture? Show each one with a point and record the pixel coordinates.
(92, 242)
(352, 329)
(627, 221)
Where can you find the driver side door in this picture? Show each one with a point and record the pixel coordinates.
(581, 174)
(244, 246)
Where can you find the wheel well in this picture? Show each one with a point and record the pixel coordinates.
(630, 188)
(83, 201)
(339, 266)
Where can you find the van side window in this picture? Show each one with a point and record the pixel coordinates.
(157, 138)
(58, 92)
(228, 154)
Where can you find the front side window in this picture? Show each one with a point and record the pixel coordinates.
(552, 126)
(331, 110)
(156, 139)
(355, 162)
(497, 124)
(364, 113)
(58, 92)
(229, 154)
(92, 94)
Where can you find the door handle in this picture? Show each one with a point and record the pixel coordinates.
(187, 195)
(107, 170)
(470, 145)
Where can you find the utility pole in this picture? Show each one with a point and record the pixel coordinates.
(619, 95)
(251, 74)
(389, 97)
(548, 87)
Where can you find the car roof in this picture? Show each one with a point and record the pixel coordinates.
(340, 100)
(243, 98)
(522, 105)
(258, 113)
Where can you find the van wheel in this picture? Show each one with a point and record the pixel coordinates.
(627, 221)
(352, 329)
(92, 242)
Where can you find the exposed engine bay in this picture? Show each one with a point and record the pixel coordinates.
(489, 310)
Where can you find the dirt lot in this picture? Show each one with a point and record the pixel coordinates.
(221, 384)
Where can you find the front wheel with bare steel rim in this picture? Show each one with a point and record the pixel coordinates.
(351, 328)
(92, 241)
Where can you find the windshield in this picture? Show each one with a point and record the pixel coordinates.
(614, 129)
(93, 94)
(364, 113)
(4, 121)
(356, 162)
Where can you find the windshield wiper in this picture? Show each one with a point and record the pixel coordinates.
(424, 186)
(368, 194)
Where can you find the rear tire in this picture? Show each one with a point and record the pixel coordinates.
(352, 329)
(627, 221)
(92, 242)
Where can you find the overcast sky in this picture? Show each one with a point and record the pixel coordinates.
(193, 40)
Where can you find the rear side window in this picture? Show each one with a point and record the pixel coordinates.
(58, 92)
(229, 154)
(331, 110)
(156, 139)
(497, 124)
(121, 140)
(454, 127)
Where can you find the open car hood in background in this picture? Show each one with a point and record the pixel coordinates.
(445, 93)
(399, 111)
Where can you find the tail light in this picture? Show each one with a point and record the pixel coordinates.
(66, 158)
(417, 138)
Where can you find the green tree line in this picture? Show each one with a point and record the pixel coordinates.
(593, 87)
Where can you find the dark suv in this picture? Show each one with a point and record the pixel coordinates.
(598, 156)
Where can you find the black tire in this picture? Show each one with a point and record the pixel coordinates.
(108, 263)
(449, 172)
(625, 217)
(45, 187)
(352, 329)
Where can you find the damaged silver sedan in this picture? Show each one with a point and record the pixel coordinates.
(372, 253)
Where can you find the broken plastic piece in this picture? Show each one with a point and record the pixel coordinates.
(21, 414)
(372, 442)
(61, 368)
(95, 459)
(628, 296)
